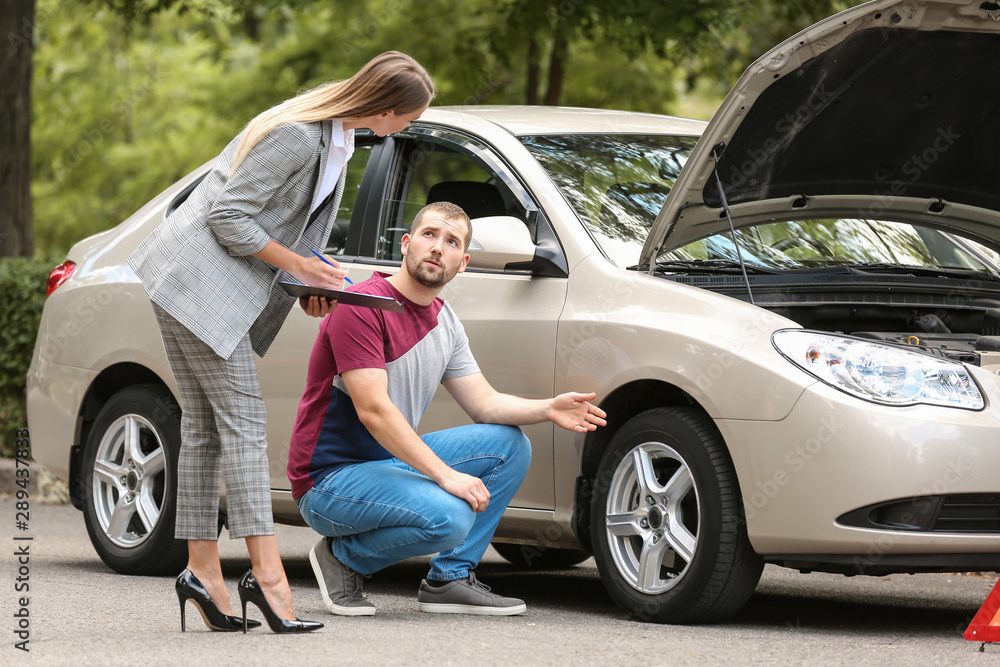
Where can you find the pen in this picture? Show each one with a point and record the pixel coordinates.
(348, 280)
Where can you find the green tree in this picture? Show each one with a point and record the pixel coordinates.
(728, 46)
(163, 89)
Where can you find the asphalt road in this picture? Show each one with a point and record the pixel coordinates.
(82, 613)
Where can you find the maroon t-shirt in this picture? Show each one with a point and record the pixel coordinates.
(417, 348)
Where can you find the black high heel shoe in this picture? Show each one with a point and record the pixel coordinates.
(189, 588)
(250, 591)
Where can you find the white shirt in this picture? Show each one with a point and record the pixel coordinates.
(341, 150)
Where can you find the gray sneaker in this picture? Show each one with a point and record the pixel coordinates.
(340, 585)
(466, 596)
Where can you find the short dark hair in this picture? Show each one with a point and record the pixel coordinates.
(450, 212)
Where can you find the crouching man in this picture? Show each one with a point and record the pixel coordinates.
(364, 479)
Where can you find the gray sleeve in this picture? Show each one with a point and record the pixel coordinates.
(462, 362)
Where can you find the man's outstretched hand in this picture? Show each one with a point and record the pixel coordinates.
(573, 412)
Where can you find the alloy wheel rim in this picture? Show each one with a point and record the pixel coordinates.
(652, 517)
(129, 481)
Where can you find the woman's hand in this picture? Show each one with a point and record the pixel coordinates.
(314, 272)
(311, 270)
(317, 306)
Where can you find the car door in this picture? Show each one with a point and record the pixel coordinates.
(510, 316)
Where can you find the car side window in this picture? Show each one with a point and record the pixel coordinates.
(429, 171)
(355, 172)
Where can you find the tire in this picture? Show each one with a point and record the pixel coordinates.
(540, 558)
(671, 543)
(129, 483)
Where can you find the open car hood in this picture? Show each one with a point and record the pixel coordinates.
(887, 110)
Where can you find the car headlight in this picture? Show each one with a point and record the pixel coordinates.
(879, 373)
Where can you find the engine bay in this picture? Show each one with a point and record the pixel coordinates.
(952, 319)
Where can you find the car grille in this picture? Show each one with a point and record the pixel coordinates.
(969, 513)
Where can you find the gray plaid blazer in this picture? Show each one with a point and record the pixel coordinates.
(197, 264)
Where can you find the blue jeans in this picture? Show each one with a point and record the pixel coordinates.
(383, 512)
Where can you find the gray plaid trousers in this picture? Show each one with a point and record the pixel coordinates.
(222, 431)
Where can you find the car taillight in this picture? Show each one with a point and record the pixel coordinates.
(59, 276)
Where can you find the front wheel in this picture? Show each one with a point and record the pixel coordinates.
(130, 482)
(667, 524)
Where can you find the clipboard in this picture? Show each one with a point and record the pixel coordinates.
(346, 298)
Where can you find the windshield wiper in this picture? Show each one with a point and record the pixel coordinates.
(932, 271)
(711, 266)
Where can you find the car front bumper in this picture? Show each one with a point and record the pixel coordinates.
(834, 454)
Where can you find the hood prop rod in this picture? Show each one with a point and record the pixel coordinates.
(716, 152)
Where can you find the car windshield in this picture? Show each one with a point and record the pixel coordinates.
(616, 183)
(805, 244)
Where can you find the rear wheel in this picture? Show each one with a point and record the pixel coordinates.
(540, 558)
(130, 482)
(667, 524)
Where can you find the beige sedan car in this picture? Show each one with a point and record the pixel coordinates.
(796, 350)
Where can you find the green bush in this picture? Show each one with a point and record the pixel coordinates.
(22, 284)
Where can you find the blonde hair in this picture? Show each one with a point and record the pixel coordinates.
(392, 81)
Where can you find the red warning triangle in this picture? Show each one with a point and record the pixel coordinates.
(985, 626)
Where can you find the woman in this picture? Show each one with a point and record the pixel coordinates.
(210, 270)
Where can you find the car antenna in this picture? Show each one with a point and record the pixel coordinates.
(716, 152)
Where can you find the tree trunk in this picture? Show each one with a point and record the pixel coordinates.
(532, 86)
(557, 73)
(16, 28)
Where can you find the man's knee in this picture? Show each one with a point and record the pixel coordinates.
(519, 448)
(450, 527)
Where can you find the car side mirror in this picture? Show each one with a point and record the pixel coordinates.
(499, 240)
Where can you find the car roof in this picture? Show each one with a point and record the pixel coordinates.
(536, 120)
